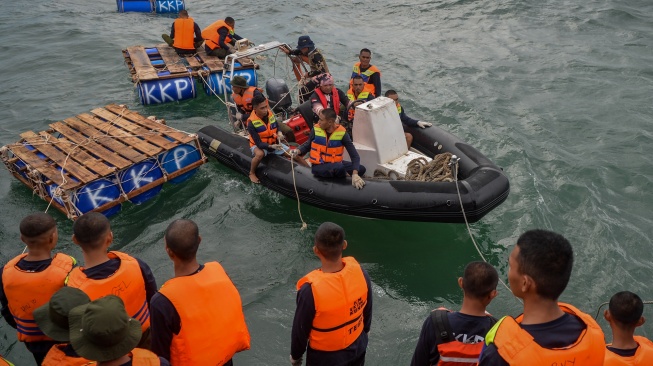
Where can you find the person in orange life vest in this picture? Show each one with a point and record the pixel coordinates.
(52, 318)
(624, 314)
(243, 95)
(334, 306)
(197, 316)
(356, 97)
(111, 272)
(370, 73)
(220, 38)
(102, 331)
(306, 53)
(405, 120)
(29, 280)
(327, 96)
(326, 144)
(185, 35)
(547, 332)
(465, 329)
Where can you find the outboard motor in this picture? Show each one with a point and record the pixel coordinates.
(278, 95)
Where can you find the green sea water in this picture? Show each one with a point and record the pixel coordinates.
(556, 92)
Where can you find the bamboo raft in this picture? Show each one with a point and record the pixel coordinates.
(124, 151)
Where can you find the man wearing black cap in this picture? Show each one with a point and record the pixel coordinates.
(307, 53)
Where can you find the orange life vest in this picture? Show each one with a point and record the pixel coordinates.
(339, 302)
(127, 283)
(4, 362)
(213, 325)
(211, 36)
(351, 112)
(26, 291)
(453, 352)
(643, 355)
(143, 357)
(184, 34)
(366, 77)
(517, 347)
(335, 99)
(245, 101)
(266, 131)
(57, 357)
(327, 149)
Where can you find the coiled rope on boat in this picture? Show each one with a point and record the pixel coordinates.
(437, 170)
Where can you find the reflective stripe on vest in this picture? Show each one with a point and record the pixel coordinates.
(4, 362)
(127, 283)
(26, 291)
(399, 108)
(266, 131)
(458, 360)
(366, 77)
(517, 347)
(143, 357)
(57, 357)
(211, 36)
(643, 355)
(184, 34)
(245, 101)
(327, 150)
(362, 96)
(335, 99)
(340, 298)
(210, 309)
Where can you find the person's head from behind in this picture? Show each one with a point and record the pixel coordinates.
(92, 231)
(625, 311)
(230, 21)
(39, 231)
(329, 242)
(326, 83)
(392, 95)
(181, 240)
(365, 56)
(260, 105)
(357, 84)
(327, 120)
(183, 14)
(540, 265)
(479, 282)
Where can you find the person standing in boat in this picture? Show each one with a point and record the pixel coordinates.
(220, 38)
(197, 316)
(327, 96)
(185, 35)
(405, 120)
(326, 144)
(264, 134)
(548, 332)
(29, 281)
(307, 53)
(447, 335)
(371, 74)
(356, 97)
(332, 319)
(624, 314)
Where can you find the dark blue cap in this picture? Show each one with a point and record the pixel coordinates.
(305, 41)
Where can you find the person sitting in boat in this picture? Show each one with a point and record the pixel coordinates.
(243, 95)
(356, 97)
(264, 134)
(327, 96)
(405, 120)
(306, 53)
(185, 35)
(624, 314)
(371, 74)
(220, 38)
(327, 142)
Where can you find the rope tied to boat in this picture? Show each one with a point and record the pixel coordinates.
(437, 170)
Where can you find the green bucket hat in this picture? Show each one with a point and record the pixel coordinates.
(102, 331)
(239, 81)
(52, 317)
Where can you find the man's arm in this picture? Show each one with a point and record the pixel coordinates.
(223, 32)
(410, 122)
(303, 322)
(375, 79)
(316, 104)
(257, 139)
(425, 343)
(236, 37)
(367, 311)
(198, 32)
(353, 154)
(344, 100)
(150, 281)
(4, 302)
(172, 31)
(306, 146)
(164, 322)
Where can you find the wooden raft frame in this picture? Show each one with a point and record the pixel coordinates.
(141, 68)
(91, 146)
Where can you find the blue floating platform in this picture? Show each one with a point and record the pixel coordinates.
(150, 6)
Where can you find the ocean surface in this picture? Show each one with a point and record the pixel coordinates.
(556, 92)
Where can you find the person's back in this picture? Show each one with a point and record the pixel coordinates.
(448, 336)
(29, 280)
(624, 314)
(547, 332)
(111, 272)
(197, 316)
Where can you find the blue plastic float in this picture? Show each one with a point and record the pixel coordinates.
(147, 6)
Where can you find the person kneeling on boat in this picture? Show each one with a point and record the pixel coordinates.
(405, 120)
(220, 38)
(327, 142)
(264, 134)
(243, 94)
(185, 35)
